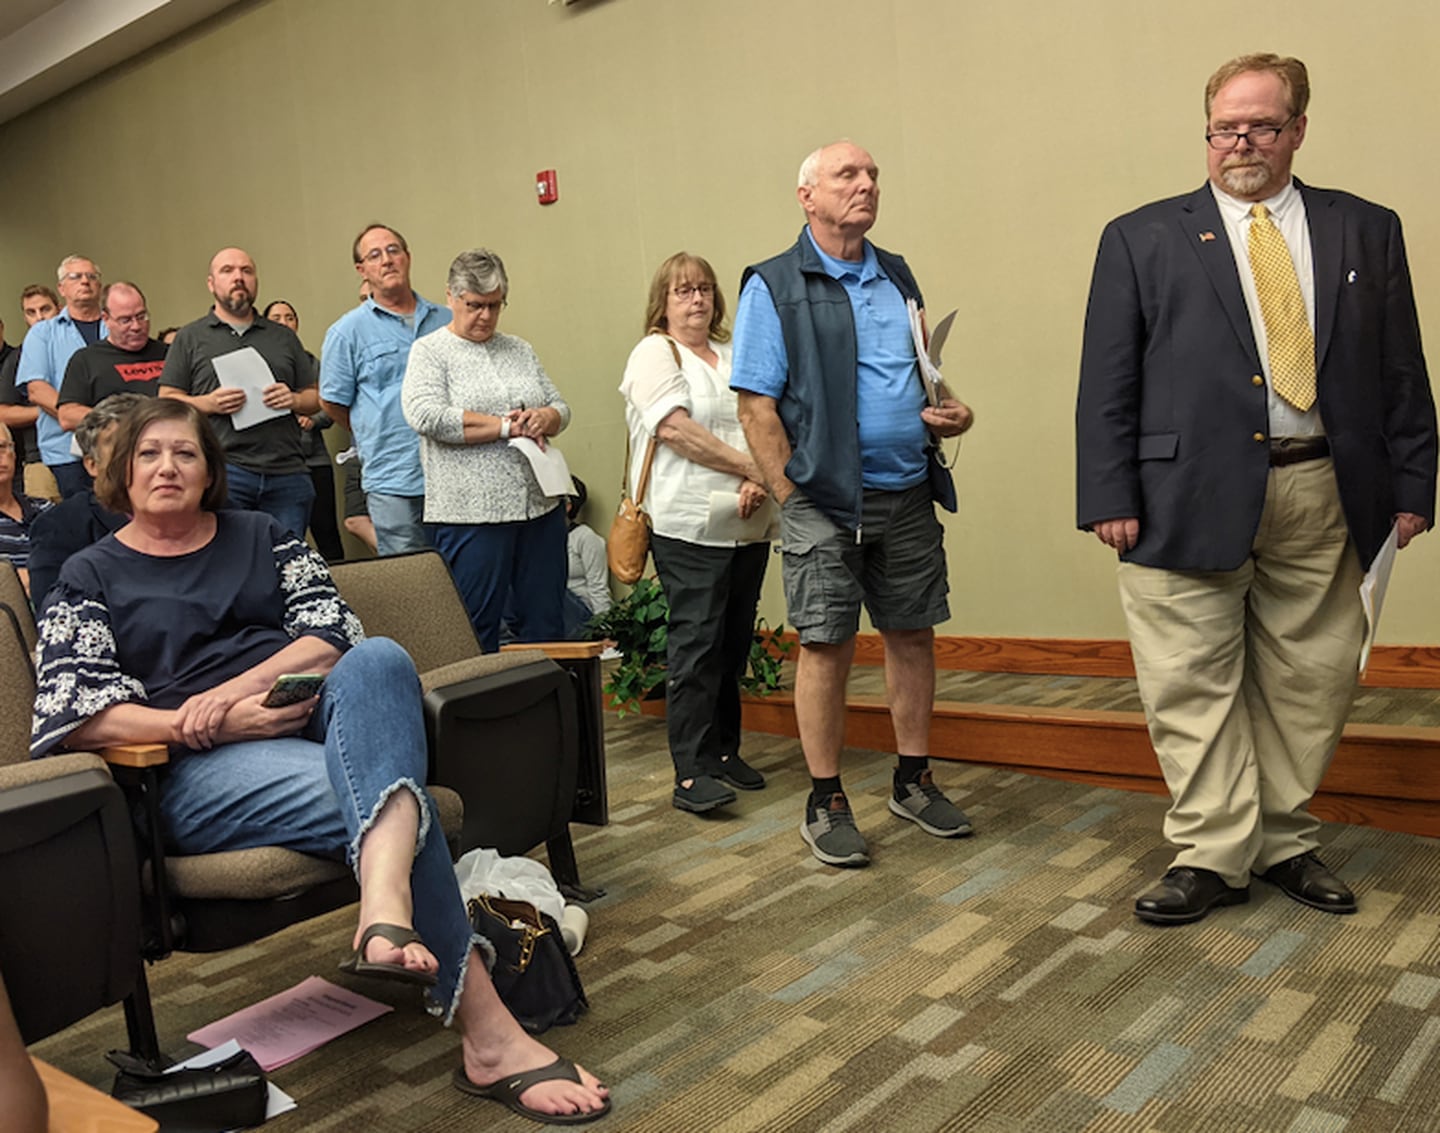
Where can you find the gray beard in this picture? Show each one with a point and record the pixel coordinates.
(1242, 180)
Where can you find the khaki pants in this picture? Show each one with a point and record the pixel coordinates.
(1247, 677)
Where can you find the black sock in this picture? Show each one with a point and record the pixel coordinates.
(823, 788)
(911, 768)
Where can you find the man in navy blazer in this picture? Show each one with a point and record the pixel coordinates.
(1244, 515)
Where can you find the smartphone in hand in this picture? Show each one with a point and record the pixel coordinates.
(292, 688)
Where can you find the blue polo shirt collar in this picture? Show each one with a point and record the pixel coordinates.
(863, 272)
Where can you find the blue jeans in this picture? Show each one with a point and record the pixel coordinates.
(577, 616)
(399, 523)
(492, 561)
(287, 497)
(318, 792)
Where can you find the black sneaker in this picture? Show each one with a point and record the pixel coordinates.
(923, 804)
(704, 793)
(829, 830)
(738, 773)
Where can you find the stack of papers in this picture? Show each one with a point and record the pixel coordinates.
(278, 1030)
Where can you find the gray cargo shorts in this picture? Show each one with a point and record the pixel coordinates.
(897, 569)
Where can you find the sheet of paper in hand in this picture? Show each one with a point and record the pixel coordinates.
(245, 369)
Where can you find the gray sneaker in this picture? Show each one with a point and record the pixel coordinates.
(830, 832)
(923, 804)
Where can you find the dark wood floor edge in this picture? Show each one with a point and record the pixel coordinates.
(1391, 666)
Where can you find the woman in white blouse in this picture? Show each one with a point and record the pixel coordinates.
(711, 517)
(468, 390)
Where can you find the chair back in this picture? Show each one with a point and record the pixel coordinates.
(13, 595)
(412, 600)
(69, 899)
(17, 679)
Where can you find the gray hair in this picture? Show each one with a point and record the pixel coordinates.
(810, 168)
(73, 257)
(109, 412)
(478, 271)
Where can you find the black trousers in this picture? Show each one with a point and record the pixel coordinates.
(324, 528)
(712, 593)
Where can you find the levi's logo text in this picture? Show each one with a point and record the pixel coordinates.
(139, 371)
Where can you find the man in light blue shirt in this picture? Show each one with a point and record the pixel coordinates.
(888, 395)
(362, 366)
(47, 352)
(838, 418)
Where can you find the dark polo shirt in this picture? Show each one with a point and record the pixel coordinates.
(96, 372)
(274, 447)
(27, 450)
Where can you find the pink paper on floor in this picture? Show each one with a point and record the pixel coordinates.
(280, 1029)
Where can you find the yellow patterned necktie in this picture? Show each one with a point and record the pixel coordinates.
(1288, 338)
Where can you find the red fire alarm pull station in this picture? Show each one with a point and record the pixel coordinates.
(546, 188)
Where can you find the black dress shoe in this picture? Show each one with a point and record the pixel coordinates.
(1185, 895)
(1304, 878)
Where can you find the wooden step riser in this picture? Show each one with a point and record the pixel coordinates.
(1387, 777)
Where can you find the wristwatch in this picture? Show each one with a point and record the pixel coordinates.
(504, 427)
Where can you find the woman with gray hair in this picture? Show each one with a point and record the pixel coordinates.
(468, 392)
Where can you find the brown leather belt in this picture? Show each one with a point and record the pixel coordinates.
(1292, 450)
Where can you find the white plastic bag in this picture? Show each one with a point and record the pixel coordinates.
(520, 879)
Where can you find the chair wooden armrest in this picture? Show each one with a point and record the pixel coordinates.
(138, 756)
(562, 650)
(84, 1109)
(76, 1106)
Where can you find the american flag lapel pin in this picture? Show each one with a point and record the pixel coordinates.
(1206, 236)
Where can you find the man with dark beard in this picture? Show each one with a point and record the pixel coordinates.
(265, 461)
(1254, 421)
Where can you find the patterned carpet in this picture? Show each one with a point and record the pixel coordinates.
(993, 984)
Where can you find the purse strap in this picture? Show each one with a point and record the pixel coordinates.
(644, 482)
(520, 916)
(644, 472)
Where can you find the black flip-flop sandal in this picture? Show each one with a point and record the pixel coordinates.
(397, 935)
(507, 1092)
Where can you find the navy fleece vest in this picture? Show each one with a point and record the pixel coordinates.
(818, 407)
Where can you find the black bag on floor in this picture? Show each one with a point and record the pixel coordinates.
(533, 974)
(228, 1095)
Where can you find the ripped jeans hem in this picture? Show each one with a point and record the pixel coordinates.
(421, 799)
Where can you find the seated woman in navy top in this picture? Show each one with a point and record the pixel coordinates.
(174, 628)
(17, 510)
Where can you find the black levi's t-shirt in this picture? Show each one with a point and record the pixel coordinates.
(96, 372)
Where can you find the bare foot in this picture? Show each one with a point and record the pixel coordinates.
(485, 1065)
(415, 956)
